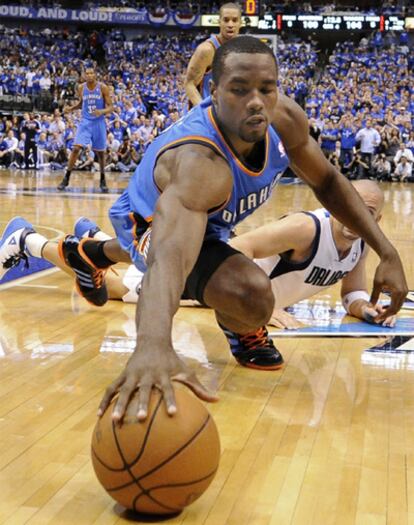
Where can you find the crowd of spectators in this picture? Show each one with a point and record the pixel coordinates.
(361, 109)
(145, 76)
(360, 103)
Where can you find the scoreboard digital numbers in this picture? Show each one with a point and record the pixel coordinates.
(333, 22)
(251, 7)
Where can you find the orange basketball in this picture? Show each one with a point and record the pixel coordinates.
(163, 464)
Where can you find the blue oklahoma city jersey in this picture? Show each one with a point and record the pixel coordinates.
(204, 86)
(250, 188)
(91, 101)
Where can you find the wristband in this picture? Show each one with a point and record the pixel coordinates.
(351, 297)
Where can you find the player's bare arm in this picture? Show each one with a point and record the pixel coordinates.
(355, 297)
(178, 230)
(199, 62)
(336, 194)
(294, 232)
(78, 105)
(108, 109)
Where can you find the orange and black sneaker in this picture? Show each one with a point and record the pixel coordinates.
(90, 280)
(254, 350)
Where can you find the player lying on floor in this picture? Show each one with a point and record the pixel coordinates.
(302, 253)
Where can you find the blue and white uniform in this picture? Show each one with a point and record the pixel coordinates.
(132, 214)
(204, 86)
(295, 281)
(91, 129)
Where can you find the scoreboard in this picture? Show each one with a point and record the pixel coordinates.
(251, 7)
(332, 22)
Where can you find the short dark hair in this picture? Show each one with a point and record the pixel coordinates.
(230, 5)
(239, 44)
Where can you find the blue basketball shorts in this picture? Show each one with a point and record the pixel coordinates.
(132, 231)
(91, 132)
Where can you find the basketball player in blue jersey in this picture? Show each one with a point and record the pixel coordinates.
(303, 253)
(195, 182)
(95, 102)
(199, 73)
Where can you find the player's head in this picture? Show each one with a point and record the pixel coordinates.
(373, 198)
(229, 20)
(89, 73)
(244, 87)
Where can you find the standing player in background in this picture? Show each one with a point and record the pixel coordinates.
(95, 101)
(199, 68)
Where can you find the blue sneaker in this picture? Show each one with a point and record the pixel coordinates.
(84, 227)
(12, 244)
(254, 350)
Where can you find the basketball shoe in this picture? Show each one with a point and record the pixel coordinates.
(254, 350)
(84, 227)
(90, 280)
(64, 183)
(12, 244)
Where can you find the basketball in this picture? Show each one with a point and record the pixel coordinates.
(163, 464)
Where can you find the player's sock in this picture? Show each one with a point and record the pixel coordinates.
(95, 251)
(35, 243)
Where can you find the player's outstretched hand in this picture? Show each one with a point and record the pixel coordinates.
(389, 277)
(144, 370)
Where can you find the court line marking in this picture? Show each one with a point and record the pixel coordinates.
(23, 280)
(292, 333)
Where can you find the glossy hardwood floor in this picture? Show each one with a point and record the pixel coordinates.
(328, 440)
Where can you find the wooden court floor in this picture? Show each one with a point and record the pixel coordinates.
(328, 440)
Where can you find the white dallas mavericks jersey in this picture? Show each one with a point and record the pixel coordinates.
(294, 281)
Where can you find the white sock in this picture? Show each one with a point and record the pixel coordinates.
(102, 236)
(34, 244)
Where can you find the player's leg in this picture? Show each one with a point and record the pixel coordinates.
(90, 259)
(73, 157)
(99, 147)
(101, 161)
(82, 139)
(14, 246)
(117, 290)
(123, 287)
(240, 293)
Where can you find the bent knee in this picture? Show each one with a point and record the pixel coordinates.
(253, 298)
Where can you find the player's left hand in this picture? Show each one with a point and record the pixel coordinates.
(389, 277)
(370, 314)
(282, 319)
(97, 113)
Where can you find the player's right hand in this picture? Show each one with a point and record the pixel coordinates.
(144, 370)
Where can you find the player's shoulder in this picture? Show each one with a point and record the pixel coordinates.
(200, 155)
(205, 49)
(290, 121)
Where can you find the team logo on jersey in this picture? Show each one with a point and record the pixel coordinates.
(354, 256)
(282, 150)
